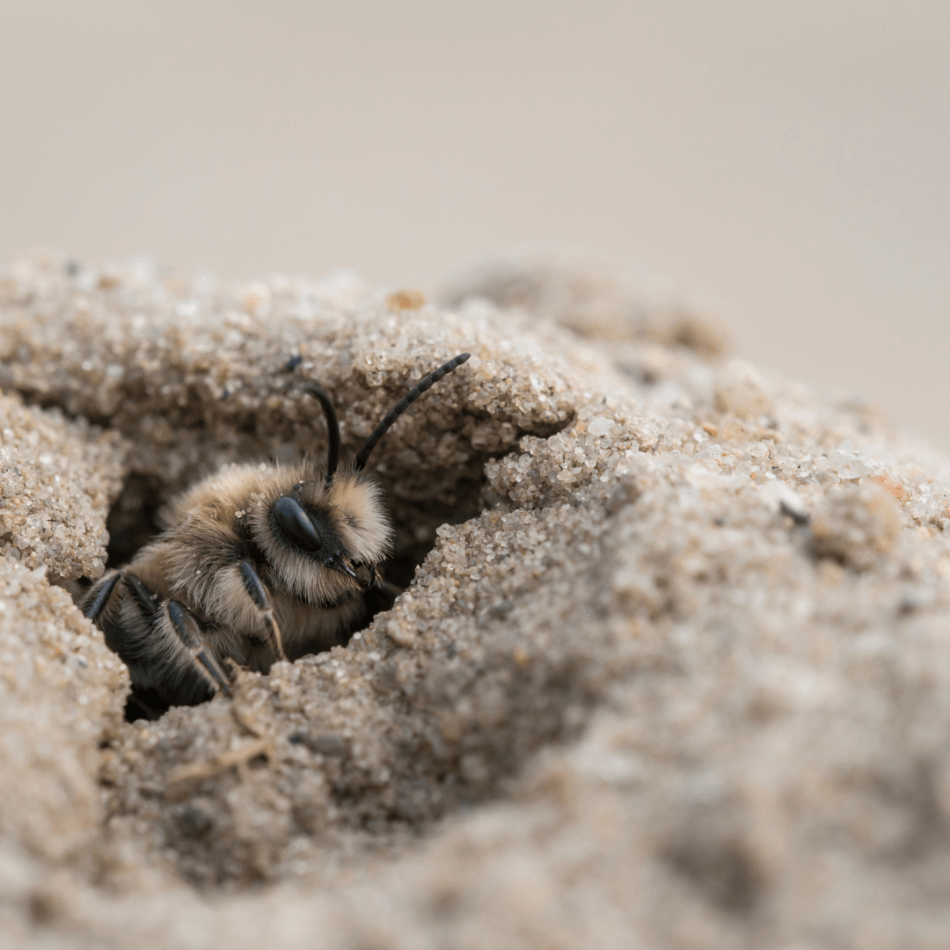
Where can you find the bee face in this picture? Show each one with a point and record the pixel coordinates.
(324, 540)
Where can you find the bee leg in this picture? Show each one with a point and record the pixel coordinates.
(124, 609)
(189, 632)
(258, 594)
(98, 597)
(148, 601)
(148, 634)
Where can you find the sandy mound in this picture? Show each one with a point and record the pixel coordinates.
(674, 670)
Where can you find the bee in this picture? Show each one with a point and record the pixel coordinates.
(256, 563)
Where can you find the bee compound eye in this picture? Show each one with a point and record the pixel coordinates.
(294, 522)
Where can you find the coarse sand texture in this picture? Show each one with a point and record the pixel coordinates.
(672, 668)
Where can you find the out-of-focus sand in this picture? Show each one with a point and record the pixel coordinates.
(784, 162)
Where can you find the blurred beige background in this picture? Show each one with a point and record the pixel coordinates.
(786, 163)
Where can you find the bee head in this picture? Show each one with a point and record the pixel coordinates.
(334, 519)
(340, 525)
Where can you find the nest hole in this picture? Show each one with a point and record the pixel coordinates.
(135, 519)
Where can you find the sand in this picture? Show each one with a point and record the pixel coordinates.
(673, 669)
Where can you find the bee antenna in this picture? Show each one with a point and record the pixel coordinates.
(363, 455)
(333, 429)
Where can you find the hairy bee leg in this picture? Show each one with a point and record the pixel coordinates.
(143, 594)
(98, 599)
(99, 596)
(258, 594)
(189, 632)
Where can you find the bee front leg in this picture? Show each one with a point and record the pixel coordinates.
(188, 630)
(99, 596)
(256, 590)
(124, 609)
(160, 641)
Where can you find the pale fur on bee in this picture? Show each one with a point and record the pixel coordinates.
(256, 563)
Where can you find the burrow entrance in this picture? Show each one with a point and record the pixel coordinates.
(417, 510)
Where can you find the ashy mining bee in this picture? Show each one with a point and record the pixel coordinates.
(257, 563)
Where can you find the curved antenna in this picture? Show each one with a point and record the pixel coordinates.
(363, 455)
(333, 429)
